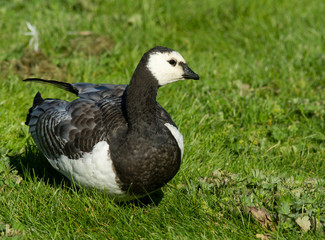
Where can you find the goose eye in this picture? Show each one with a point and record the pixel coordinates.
(172, 62)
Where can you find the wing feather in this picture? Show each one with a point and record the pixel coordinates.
(76, 127)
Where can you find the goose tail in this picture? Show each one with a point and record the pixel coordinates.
(38, 100)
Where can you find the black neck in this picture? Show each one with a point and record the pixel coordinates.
(141, 99)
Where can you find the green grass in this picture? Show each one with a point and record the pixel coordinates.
(253, 125)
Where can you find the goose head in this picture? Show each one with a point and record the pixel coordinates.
(168, 66)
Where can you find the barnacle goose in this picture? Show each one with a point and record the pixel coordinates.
(115, 138)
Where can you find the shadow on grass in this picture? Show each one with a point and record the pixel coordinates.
(152, 199)
(32, 164)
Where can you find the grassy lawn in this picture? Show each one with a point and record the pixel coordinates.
(253, 125)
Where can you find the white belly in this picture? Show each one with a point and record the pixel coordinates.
(92, 170)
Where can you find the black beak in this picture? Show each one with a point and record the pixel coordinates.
(188, 73)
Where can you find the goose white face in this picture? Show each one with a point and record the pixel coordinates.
(167, 67)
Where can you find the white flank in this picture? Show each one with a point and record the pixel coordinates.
(162, 70)
(177, 135)
(93, 170)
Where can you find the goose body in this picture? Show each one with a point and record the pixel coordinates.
(115, 138)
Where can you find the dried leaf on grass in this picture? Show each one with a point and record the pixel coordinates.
(304, 223)
(263, 236)
(261, 216)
